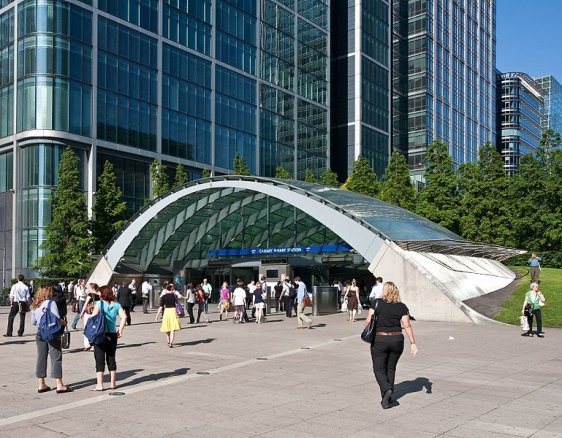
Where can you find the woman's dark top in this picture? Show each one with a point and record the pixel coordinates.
(60, 300)
(389, 315)
(257, 296)
(168, 300)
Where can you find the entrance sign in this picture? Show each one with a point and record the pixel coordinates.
(313, 249)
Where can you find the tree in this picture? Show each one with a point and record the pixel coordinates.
(396, 187)
(181, 177)
(159, 178)
(206, 173)
(309, 177)
(240, 166)
(329, 178)
(110, 211)
(363, 179)
(282, 173)
(439, 201)
(68, 240)
(484, 204)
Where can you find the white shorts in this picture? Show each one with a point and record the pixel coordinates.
(260, 305)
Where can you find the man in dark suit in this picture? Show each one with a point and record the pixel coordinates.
(124, 298)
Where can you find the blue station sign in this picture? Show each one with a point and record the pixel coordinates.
(312, 249)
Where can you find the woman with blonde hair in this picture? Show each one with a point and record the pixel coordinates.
(42, 300)
(388, 343)
(170, 320)
(88, 309)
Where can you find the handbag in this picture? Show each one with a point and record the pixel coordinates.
(307, 301)
(179, 308)
(368, 334)
(75, 306)
(528, 311)
(524, 323)
(66, 339)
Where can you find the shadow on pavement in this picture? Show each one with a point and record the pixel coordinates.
(189, 343)
(151, 377)
(17, 342)
(90, 382)
(140, 344)
(410, 386)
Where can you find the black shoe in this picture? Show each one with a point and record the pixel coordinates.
(7, 336)
(386, 398)
(539, 335)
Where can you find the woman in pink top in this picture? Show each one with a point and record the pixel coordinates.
(224, 301)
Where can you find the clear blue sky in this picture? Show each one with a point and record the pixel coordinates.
(529, 37)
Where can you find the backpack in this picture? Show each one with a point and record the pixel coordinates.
(49, 324)
(95, 327)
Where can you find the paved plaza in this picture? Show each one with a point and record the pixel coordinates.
(272, 380)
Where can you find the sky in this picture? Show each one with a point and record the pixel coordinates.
(529, 37)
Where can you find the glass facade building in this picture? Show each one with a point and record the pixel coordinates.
(443, 77)
(361, 74)
(551, 117)
(520, 101)
(192, 82)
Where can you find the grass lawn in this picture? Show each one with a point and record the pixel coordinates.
(550, 286)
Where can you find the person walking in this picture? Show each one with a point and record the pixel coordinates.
(201, 300)
(191, 298)
(534, 267)
(352, 295)
(208, 289)
(133, 297)
(224, 301)
(80, 294)
(535, 299)
(388, 343)
(124, 298)
(146, 290)
(53, 348)
(19, 302)
(288, 297)
(303, 321)
(239, 298)
(106, 351)
(170, 321)
(258, 301)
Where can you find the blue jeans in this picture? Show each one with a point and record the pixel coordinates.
(77, 316)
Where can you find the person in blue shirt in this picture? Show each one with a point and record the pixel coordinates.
(303, 321)
(535, 263)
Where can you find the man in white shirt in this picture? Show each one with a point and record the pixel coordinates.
(376, 291)
(19, 300)
(133, 288)
(146, 290)
(208, 289)
(239, 298)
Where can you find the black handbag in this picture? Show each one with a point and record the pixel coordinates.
(368, 334)
(528, 311)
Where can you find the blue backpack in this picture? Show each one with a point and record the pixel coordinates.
(95, 328)
(49, 324)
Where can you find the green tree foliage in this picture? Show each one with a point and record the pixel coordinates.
(309, 177)
(439, 200)
(206, 173)
(536, 195)
(396, 187)
(484, 208)
(363, 179)
(180, 179)
(240, 166)
(282, 173)
(329, 178)
(68, 240)
(110, 211)
(159, 178)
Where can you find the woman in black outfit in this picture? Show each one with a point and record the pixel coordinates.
(388, 344)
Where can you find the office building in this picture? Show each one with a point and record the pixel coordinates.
(551, 117)
(520, 101)
(192, 82)
(361, 75)
(443, 77)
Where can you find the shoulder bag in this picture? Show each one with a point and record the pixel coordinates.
(369, 332)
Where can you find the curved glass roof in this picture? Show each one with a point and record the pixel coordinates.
(216, 218)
